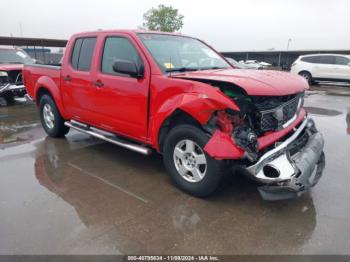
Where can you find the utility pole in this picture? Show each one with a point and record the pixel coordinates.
(20, 29)
(288, 43)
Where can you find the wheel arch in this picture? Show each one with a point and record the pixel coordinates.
(178, 117)
(195, 108)
(306, 71)
(46, 85)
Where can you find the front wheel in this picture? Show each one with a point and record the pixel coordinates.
(190, 168)
(51, 118)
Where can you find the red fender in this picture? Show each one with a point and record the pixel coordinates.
(50, 85)
(199, 106)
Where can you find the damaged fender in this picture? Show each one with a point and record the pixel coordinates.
(199, 106)
(221, 146)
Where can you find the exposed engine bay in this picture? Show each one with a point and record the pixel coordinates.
(291, 164)
(258, 116)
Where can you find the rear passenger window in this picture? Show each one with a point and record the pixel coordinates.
(118, 48)
(75, 53)
(82, 53)
(340, 60)
(329, 60)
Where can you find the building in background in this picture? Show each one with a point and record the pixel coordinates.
(279, 59)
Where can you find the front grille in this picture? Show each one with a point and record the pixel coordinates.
(275, 118)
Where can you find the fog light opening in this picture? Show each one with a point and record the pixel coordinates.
(270, 171)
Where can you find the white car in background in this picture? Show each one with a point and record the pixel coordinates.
(251, 64)
(323, 67)
(237, 64)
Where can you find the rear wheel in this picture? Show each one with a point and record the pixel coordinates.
(189, 167)
(307, 77)
(51, 119)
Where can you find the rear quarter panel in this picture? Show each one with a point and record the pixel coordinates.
(37, 77)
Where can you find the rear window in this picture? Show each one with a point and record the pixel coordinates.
(320, 59)
(75, 53)
(82, 53)
(341, 60)
(330, 60)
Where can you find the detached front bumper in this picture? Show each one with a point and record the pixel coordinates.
(293, 166)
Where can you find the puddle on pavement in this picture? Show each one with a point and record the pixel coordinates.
(19, 123)
(79, 195)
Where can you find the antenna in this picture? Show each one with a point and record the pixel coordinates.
(170, 64)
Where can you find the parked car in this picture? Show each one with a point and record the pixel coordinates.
(174, 94)
(323, 67)
(252, 64)
(237, 64)
(11, 63)
(265, 64)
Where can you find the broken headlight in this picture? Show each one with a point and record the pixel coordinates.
(246, 139)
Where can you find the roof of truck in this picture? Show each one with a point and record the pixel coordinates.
(127, 31)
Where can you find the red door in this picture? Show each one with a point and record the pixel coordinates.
(121, 101)
(77, 79)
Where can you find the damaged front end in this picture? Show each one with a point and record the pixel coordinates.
(11, 84)
(292, 166)
(273, 139)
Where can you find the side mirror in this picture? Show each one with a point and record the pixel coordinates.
(127, 67)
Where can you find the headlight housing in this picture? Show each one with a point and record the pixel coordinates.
(3, 73)
(3, 80)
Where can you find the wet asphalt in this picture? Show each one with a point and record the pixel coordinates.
(79, 195)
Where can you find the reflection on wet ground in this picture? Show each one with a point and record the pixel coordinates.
(15, 121)
(81, 196)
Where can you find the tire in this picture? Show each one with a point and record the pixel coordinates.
(199, 179)
(307, 76)
(51, 119)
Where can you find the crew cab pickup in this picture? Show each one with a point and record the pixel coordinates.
(176, 95)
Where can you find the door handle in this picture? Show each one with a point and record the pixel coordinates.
(98, 83)
(67, 78)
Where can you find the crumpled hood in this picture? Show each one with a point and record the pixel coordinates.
(254, 82)
(9, 67)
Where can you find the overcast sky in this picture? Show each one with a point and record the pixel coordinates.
(227, 25)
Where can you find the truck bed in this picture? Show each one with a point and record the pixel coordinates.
(32, 73)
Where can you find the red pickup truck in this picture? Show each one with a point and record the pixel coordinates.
(11, 63)
(174, 94)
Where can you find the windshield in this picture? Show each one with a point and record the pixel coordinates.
(178, 53)
(13, 56)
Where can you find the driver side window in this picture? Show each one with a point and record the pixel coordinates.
(118, 48)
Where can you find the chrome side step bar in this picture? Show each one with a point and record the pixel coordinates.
(107, 136)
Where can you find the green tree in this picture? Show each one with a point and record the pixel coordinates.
(163, 18)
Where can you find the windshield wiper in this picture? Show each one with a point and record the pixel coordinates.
(13, 62)
(212, 68)
(181, 69)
